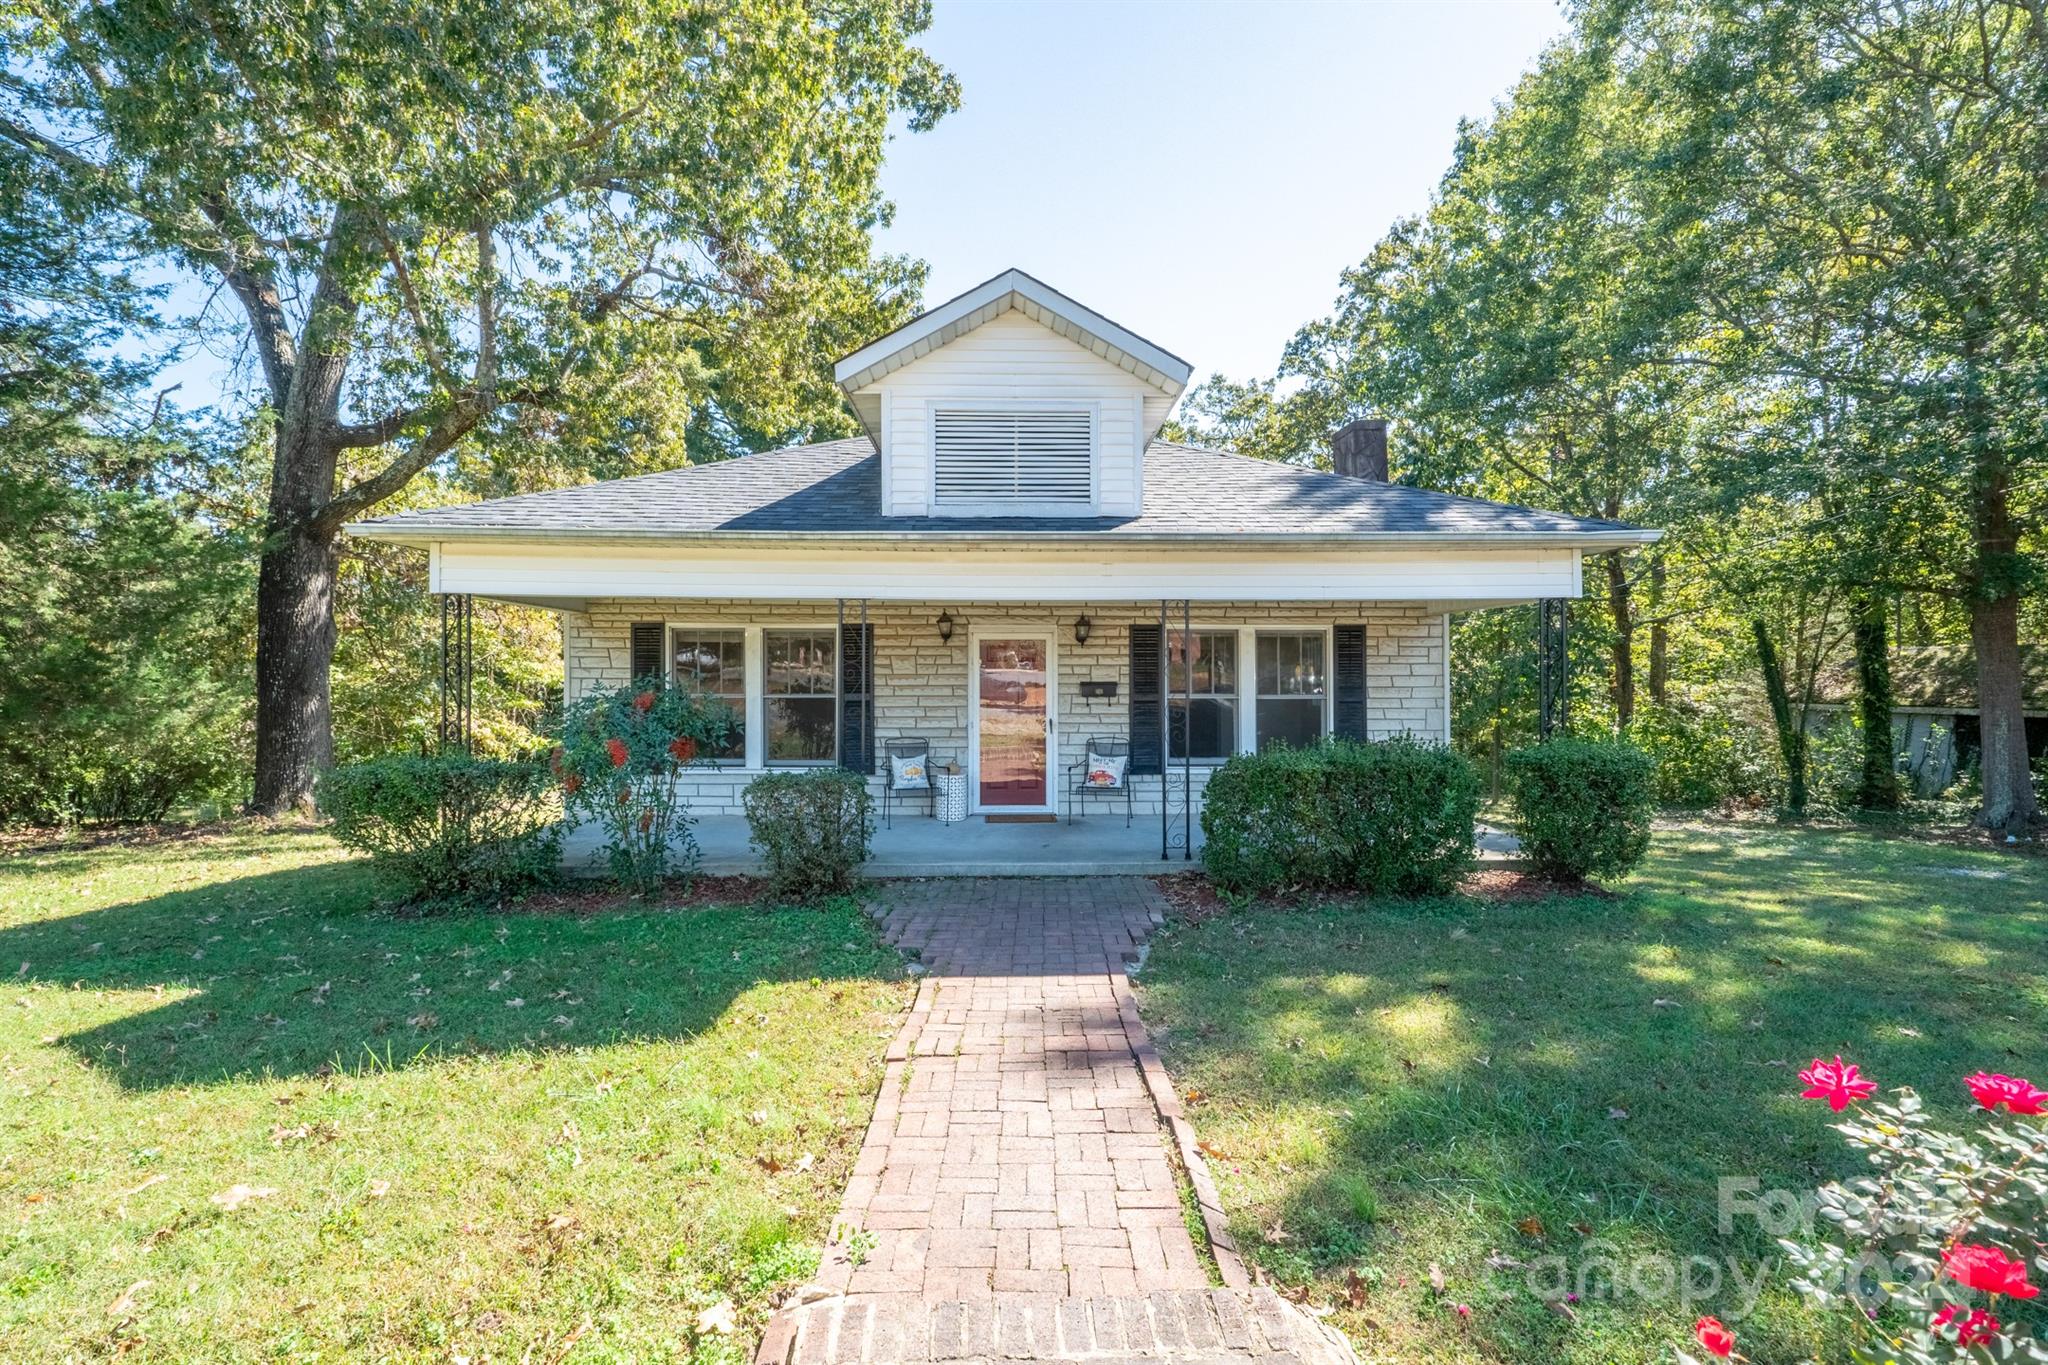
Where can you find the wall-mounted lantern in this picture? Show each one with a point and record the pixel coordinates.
(1082, 627)
(945, 626)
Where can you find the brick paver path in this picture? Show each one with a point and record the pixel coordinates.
(1014, 1195)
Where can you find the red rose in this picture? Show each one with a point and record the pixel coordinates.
(571, 783)
(1980, 1326)
(644, 702)
(1713, 1338)
(1987, 1269)
(617, 749)
(1836, 1082)
(683, 749)
(2016, 1093)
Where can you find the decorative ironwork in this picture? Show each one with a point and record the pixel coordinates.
(458, 671)
(1553, 667)
(1176, 809)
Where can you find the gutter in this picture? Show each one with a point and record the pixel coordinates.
(1616, 539)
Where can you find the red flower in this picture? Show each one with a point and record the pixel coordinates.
(646, 820)
(644, 702)
(1980, 1326)
(2016, 1093)
(617, 749)
(1987, 1268)
(683, 749)
(572, 782)
(555, 760)
(1836, 1082)
(1713, 1338)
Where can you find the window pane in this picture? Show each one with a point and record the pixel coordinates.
(1213, 733)
(714, 662)
(1291, 665)
(1294, 721)
(801, 729)
(803, 718)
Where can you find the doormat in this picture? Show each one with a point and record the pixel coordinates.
(1040, 818)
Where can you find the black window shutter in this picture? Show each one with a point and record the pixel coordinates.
(647, 651)
(856, 688)
(1348, 722)
(1145, 671)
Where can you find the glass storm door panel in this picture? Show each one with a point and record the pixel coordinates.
(1013, 724)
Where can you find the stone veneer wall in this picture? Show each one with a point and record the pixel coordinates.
(921, 682)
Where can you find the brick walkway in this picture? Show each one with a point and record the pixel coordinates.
(1014, 1195)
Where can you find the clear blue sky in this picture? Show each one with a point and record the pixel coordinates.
(1198, 172)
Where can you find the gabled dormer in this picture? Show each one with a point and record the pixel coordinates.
(1012, 400)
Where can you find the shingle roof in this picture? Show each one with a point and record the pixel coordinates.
(834, 488)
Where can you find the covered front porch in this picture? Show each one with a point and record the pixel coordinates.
(916, 845)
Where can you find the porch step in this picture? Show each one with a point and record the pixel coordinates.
(1185, 1325)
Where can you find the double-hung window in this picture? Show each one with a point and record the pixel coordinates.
(1292, 682)
(714, 663)
(802, 703)
(1204, 725)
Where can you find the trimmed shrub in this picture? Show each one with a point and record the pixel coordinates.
(1393, 817)
(1705, 754)
(812, 829)
(621, 755)
(1583, 806)
(450, 827)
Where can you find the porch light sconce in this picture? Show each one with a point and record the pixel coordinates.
(945, 626)
(1082, 627)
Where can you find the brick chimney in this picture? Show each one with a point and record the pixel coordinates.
(1359, 450)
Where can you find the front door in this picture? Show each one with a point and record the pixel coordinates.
(1013, 722)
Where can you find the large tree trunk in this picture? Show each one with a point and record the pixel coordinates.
(295, 605)
(1995, 632)
(1623, 685)
(1878, 788)
(1791, 738)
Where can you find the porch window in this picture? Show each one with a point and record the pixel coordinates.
(802, 707)
(1292, 681)
(1203, 726)
(714, 662)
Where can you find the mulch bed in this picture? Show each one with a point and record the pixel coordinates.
(1193, 899)
(602, 898)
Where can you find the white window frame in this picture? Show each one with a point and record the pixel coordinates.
(1248, 731)
(756, 668)
(933, 407)
(670, 629)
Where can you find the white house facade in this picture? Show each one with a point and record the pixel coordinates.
(1011, 568)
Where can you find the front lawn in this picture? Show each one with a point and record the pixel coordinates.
(249, 1114)
(1560, 1083)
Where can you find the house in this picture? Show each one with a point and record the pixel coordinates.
(1934, 708)
(1011, 564)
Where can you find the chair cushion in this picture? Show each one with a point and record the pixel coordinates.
(1104, 770)
(909, 772)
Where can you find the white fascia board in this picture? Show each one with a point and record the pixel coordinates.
(1169, 374)
(937, 573)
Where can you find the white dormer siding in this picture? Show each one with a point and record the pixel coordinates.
(1014, 372)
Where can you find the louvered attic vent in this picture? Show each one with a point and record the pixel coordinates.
(1003, 459)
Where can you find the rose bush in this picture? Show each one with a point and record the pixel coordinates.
(619, 764)
(1940, 1253)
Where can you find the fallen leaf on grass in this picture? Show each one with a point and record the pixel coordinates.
(123, 1306)
(769, 1164)
(1662, 1004)
(1617, 1113)
(1562, 1309)
(806, 1161)
(235, 1196)
(1583, 1229)
(1436, 1277)
(1532, 1226)
(379, 1188)
(1501, 1261)
(1211, 1150)
(1354, 1289)
(157, 1179)
(280, 1135)
(718, 1317)
(1194, 1097)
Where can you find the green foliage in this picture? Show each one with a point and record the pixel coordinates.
(448, 827)
(620, 763)
(1583, 806)
(1877, 1265)
(812, 829)
(1705, 754)
(1393, 817)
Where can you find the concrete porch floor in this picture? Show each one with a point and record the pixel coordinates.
(919, 846)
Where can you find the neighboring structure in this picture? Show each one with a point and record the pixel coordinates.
(1009, 564)
(1934, 708)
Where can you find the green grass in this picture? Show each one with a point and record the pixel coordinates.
(482, 1133)
(1399, 1084)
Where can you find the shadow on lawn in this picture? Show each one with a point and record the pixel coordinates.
(1596, 1064)
(294, 973)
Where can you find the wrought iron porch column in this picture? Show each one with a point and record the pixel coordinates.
(1553, 667)
(458, 671)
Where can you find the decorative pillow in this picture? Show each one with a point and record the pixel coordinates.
(1105, 770)
(907, 772)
